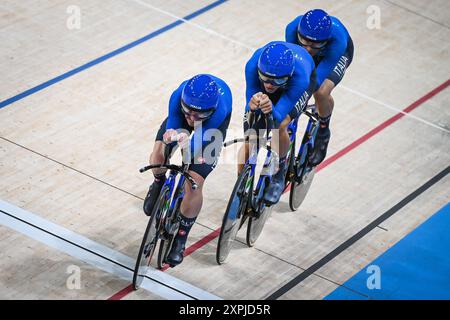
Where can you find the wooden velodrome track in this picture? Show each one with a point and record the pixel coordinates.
(80, 109)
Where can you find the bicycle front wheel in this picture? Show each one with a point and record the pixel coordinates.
(149, 241)
(233, 215)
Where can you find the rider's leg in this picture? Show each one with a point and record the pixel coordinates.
(243, 154)
(280, 143)
(325, 105)
(244, 151)
(324, 100)
(189, 210)
(193, 199)
(280, 138)
(156, 157)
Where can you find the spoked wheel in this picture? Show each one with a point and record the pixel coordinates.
(233, 216)
(256, 224)
(149, 241)
(300, 186)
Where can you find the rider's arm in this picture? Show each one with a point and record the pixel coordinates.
(289, 100)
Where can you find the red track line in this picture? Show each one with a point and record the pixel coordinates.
(198, 244)
(125, 291)
(122, 293)
(324, 164)
(382, 126)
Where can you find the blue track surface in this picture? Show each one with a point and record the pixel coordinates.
(417, 267)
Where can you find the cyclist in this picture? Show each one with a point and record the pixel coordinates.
(329, 43)
(280, 79)
(203, 105)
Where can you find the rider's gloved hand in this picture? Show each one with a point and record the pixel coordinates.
(265, 104)
(172, 135)
(167, 137)
(183, 140)
(255, 101)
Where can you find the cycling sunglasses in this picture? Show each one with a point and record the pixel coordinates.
(273, 81)
(304, 42)
(197, 115)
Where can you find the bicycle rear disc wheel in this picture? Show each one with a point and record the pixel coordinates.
(149, 242)
(232, 218)
(256, 225)
(300, 189)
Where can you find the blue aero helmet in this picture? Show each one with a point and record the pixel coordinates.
(200, 97)
(315, 26)
(276, 64)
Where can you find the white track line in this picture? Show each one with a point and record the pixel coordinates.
(95, 254)
(360, 94)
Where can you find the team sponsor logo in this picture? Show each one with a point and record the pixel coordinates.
(339, 69)
(302, 102)
(270, 74)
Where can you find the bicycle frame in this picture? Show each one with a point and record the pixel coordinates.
(246, 201)
(170, 183)
(255, 200)
(308, 138)
(265, 179)
(176, 194)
